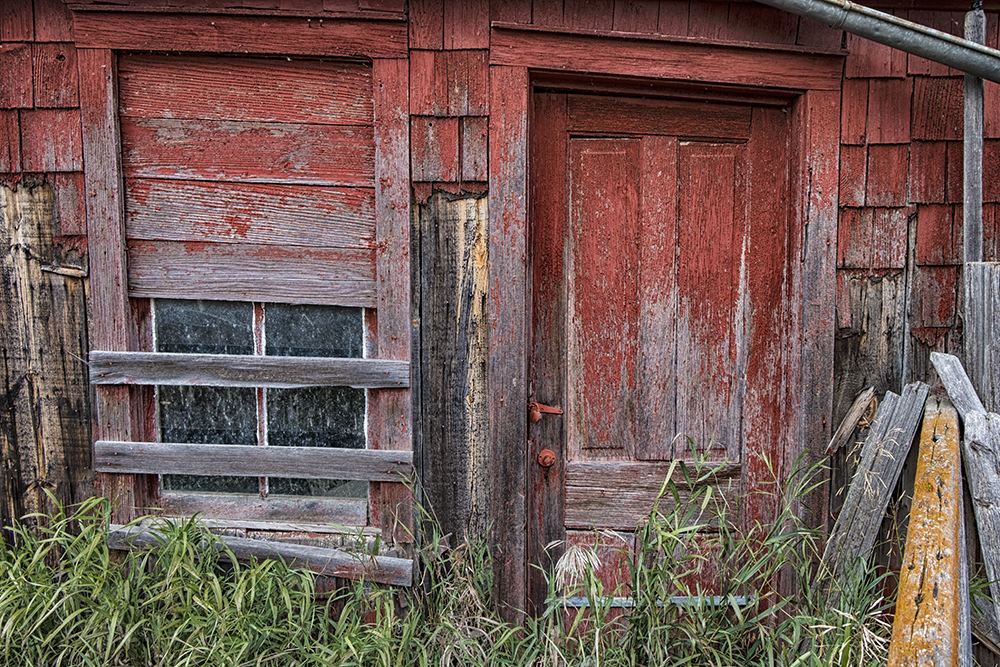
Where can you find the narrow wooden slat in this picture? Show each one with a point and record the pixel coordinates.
(231, 370)
(249, 152)
(326, 561)
(221, 88)
(164, 458)
(287, 215)
(248, 272)
(620, 495)
(849, 423)
(222, 507)
(957, 383)
(882, 457)
(980, 446)
(219, 33)
(929, 604)
(592, 113)
(674, 58)
(982, 330)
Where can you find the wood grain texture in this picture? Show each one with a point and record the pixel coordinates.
(849, 424)
(325, 561)
(956, 382)
(273, 509)
(108, 311)
(661, 58)
(982, 330)
(265, 214)
(249, 152)
(215, 33)
(883, 453)
(230, 89)
(226, 370)
(167, 458)
(247, 272)
(929, 603)
(56, 77)
(600, 115)
(980, 445)
(51, 140)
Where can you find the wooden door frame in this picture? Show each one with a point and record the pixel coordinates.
(520, 56)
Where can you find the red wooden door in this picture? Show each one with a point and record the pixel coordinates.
(659, 256)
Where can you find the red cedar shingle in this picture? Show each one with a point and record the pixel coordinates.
(939, 232)
(950, 22)
(934, 297)
(991, 233)
(56, 78)
(991, 171)
(889, 111)
(814, 33)
(10, 142)
(510, 11)
(475, 137)
(707, 19)
(991, 110)
(636, 15)
(927, 171)
(889, 238)
(854, 111)
(71, 216)
(673, 18)
(16, 21)
(426, 24)
(50, 140)
(15, 76)
(887, 172)
(434, 149)
(752, 22)
(937, 108)
(954, 167)
(467, 24)
(589, 14)
(449, 83)
(53, 21)
(853, 171)
(870, 59)
(854, 238)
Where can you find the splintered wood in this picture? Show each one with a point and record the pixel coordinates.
(929, 607)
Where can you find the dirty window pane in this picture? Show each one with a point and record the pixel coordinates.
(317, 417)
(204, 327)
(312, 331)
(208, 415)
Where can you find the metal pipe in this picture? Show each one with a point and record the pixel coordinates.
(898, 33)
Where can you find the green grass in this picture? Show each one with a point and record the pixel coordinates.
(65, 600)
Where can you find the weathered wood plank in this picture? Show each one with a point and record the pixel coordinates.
(266, 214)
(219, 33)
(980, 447)
(166, 458)
(850, 422)
(656, 57)
(882, 458)
(972, 146)
(600, 114)
(982, 330)
(929, 605)
(620, 495)
(248, 272)
(230, 370)
(249, 152)
(245, 89)
(957, 383)
(224, 507)
(323, 560)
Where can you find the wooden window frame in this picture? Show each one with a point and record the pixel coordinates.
(118, 325)
(524, 56)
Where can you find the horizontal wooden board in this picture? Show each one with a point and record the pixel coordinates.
(620, 494)
(247, 272)
(245, 89)
(167, 458)
(232, 370)
(249, 151)
(226, 509)
(218, 33)
(324, 560)
(674, 58)
(601, 114)
(289, 215)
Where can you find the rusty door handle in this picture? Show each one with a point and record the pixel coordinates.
(536, 410)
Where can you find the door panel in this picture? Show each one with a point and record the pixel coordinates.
(659, 254)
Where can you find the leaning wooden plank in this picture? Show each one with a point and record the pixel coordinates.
(982, 330)
(163, 458)
(234, 370)
(850, 422)
(882, 456)
(979, 452)
(930, 607)
(326, 561)
(273, 509)
(957, 383)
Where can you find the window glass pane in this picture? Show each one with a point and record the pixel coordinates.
(312, 331)
(209, 415)
(316, 417)
(204, 327)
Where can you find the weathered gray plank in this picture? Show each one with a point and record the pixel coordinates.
(231, 370)
(163, 458)
(224, 507)
(882, 457)
(326, 561)
(980, 445)
(957, 383)
(850, 422)
(982, 330)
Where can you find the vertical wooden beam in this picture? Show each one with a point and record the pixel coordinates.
(972, 145)
(109, 315)
(507, 369)
(930, 607)
(392, 503)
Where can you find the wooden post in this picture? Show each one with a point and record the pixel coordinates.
(930, 607)
(982, 330)
(972, 197)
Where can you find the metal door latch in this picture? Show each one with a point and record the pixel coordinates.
(536, 410)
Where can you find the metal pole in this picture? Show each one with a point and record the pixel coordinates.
(893, 31)
(972, 178)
